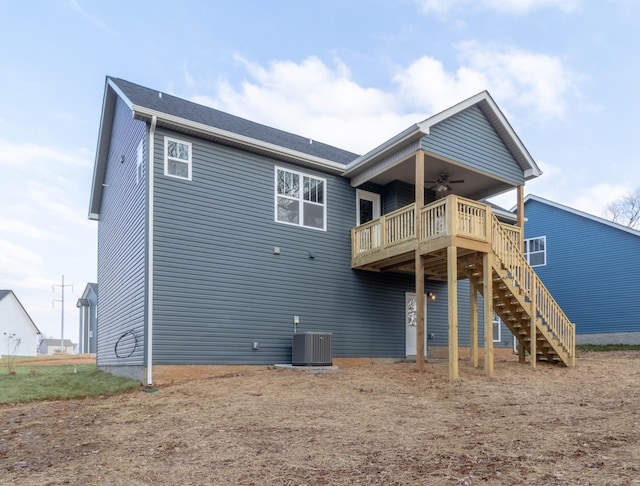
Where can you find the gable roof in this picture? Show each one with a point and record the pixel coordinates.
(55, 342)
(192, 118)
(490, 110)
(582, 214)
(4, 293)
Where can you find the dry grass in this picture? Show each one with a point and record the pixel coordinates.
(382, 424)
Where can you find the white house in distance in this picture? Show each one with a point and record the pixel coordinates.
(52, 346)
(19, 336)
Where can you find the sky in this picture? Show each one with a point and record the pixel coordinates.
(351, 73)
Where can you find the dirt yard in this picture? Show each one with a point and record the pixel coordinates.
(377, 424)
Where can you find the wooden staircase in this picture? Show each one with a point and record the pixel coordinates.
(523, 302)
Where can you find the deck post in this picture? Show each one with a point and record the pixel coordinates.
(473, 325)
(520, 215)
(487, 290)
(419, 261)
(452, 289)
(420, 310)
(533, 323)
(520, 223)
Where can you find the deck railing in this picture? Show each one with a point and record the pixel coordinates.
(510, 256)
(399, 226)
(471, 220)
(513, 232)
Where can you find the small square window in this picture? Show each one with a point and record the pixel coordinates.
(177, 158)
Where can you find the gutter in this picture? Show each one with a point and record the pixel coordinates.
(353, 167)
(142, 113)
(150, 169)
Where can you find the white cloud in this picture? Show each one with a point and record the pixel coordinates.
(567, 187)
(323, 102)
(17, 260)
(93, 19)
(314, 100)
(518, 7)
(22, 229)
(514, 77)
(33, 156)
(595, 199)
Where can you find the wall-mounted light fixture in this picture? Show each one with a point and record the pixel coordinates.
(431, 296)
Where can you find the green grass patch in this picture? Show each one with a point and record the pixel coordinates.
(608, 347)
(55, 382)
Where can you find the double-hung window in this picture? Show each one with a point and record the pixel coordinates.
(177, 158)
(535, 251)
(300, 199)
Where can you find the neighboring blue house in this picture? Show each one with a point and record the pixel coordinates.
(591, 266)
(215, 234)
(88, 315)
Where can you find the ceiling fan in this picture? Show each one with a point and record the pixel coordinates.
(443, 184)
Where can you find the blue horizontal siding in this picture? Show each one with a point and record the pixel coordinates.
(592, 269)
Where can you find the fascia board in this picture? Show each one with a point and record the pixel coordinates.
(577, 212)
(141, 112)
(102, 148)
(120, 93)
(426, 125)
(484, 97)
(359, 163)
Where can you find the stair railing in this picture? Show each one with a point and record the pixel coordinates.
(510, 256)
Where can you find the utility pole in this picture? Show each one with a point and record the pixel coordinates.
(53, 287)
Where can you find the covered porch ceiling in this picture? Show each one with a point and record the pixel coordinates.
(475, 185)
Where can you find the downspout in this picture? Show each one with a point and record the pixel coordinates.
(150, 169)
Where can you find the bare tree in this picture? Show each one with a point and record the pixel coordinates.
(626, 210)
(12, 343)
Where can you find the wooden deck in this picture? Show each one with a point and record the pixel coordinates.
(391, 243)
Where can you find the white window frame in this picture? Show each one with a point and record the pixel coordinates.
(300, 198)
(167, 158)
(140, 162)
(496, 320)
(527, 253)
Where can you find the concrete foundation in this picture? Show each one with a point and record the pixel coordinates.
(609, 338)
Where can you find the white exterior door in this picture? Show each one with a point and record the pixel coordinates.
(368, 206)
(411, 324)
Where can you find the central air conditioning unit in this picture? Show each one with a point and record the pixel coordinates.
(311, 349)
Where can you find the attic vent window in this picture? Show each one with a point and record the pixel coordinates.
(177, 158)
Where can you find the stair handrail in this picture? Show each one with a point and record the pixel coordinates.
(511, 256)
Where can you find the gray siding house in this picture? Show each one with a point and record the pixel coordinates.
(215, 233)
(88, 315)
